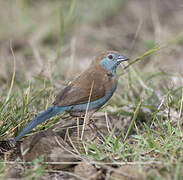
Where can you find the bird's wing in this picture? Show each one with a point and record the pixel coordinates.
(78, 92)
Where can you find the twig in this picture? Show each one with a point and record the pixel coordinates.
(94, 162)
(85, 118)
(75, 155)
(180, 115)
(181, 106)
(133, 119)
(70, 140)
(13, 75)
(78, 130)
(107, 122)
(117, 171)
(151, 51)
(66, 172)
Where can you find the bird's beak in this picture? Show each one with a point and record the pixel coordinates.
(122, 58)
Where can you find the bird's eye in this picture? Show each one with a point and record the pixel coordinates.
(110, 56)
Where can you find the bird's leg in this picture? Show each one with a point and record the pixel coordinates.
(90, 123)
(95, 130)
(87, 117)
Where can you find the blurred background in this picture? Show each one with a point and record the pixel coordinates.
(54, 41)
(59, 38)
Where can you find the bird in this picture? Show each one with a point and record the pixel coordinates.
(89, 91)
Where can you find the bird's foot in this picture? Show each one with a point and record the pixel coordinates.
(97, 133)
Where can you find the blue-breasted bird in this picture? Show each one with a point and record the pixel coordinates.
(91, 90)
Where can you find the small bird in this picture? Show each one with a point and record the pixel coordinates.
(89, 91)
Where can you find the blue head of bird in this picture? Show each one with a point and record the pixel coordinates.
(110, 60)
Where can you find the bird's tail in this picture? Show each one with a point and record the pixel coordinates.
(50, 112)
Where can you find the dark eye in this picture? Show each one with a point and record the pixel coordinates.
(110, 56)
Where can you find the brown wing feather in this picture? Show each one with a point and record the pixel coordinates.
(79, 90)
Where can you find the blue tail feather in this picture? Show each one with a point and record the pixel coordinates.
(50, 112)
